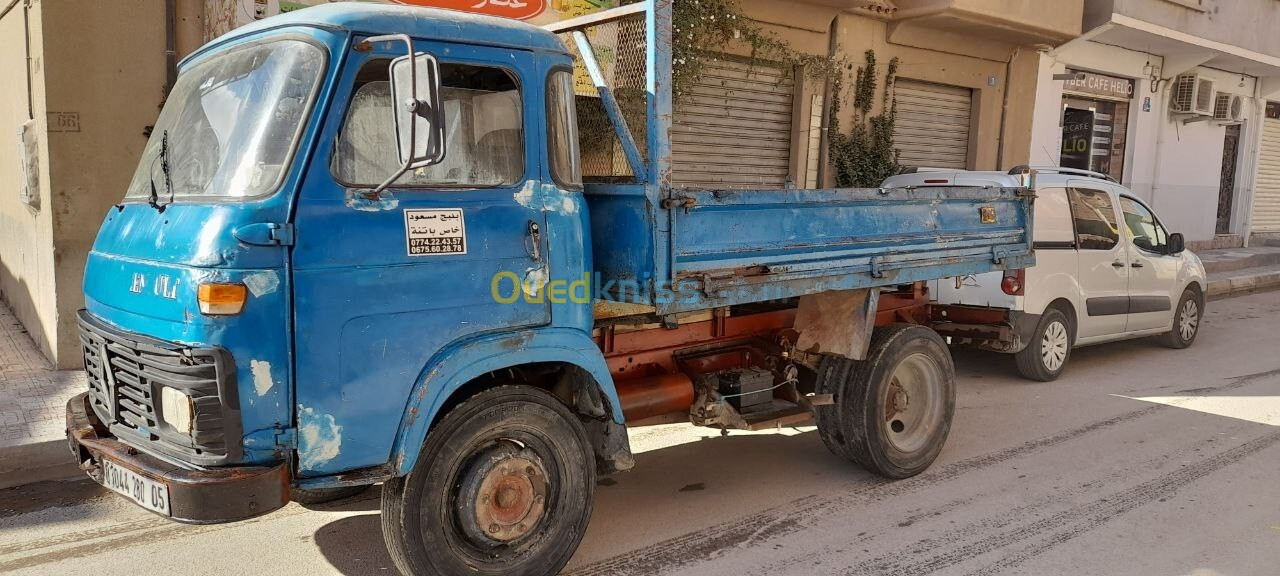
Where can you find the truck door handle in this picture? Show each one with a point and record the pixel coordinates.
(1136, 265)
(535, 234)
(1117, 264)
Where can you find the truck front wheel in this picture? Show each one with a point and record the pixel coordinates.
(892, 411)
(503, 486)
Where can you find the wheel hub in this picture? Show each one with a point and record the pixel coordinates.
(502, 496)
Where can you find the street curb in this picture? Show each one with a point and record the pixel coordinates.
(1243, 284)
(36, 462)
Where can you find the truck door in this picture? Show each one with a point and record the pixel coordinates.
(382, 283)
(1153, 275)
(1104, 264)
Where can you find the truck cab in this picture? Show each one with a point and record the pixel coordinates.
(359, 249)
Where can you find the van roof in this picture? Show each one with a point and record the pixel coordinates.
(925, 177)
(416, 21)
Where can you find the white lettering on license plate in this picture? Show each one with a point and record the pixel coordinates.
(143, 491)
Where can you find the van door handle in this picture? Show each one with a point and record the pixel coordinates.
(1136, 265)
(1117, 264)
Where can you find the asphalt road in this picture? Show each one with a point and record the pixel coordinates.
(1140, 460)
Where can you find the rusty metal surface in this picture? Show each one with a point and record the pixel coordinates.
(651, 396)
(837, 322)
(196, 496)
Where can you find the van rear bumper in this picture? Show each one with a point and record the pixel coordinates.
(196, 496)
(995, 329)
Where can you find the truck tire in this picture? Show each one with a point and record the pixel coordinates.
(892, 411)
(503, 486)
(1046, 356)
(1187, 316)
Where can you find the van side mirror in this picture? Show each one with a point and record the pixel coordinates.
(416, 111)
(1176, 244)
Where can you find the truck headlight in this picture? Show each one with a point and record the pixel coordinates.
(177, 409)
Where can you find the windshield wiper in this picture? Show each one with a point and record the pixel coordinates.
(154, 199)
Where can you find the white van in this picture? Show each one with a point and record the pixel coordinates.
(1106, 270)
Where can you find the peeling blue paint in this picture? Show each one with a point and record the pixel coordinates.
(361, 200)
(262, 283)
(319, 438)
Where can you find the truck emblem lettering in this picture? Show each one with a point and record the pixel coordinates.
(164, 288)
(139, 282)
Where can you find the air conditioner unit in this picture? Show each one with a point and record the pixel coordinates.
(1193, 94)
(1228, 108)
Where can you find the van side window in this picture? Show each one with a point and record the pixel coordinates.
(1144, 229)
(484, 131)
(1095, 219)
(1053, 226)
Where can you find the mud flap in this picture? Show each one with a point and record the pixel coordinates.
(837, 322)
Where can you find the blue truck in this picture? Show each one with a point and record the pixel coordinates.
(359, 249)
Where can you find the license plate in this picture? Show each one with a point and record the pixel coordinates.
(144, 492)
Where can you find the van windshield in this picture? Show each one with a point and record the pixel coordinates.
(231, 123)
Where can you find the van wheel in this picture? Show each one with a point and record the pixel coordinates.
(1186, 321)
(503, 487)
(892, 411)
(1045, 357)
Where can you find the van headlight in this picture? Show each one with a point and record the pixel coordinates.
(177, 409)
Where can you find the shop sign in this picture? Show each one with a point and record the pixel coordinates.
(517, 9)
(1273, 110)
(1099, 85)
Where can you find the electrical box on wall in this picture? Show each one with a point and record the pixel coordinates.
(29, 165)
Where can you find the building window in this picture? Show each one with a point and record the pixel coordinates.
(1095, 121)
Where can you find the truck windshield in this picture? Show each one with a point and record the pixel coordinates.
(232, 122)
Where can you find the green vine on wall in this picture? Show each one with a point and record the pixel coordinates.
(865, 156)
(702, 28)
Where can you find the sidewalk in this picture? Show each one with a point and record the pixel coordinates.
(33, 399)
(33, 395)
(1234, 271)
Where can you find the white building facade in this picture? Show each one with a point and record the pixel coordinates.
(1170, 98)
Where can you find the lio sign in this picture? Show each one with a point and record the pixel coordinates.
(517, 9)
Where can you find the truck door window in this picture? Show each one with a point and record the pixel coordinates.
(1144, 229)
(1095, 219)
(484, 131)
(562, 130)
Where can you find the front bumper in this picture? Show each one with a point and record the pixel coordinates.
(199, 496)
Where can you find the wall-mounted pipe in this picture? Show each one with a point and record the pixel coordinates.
(170, 47)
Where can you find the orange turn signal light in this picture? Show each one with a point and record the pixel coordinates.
(218, 299)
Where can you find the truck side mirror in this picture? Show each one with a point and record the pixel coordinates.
(1176, 244)
(418, 117)
(416, 112)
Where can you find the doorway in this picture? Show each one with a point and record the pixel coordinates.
(1227, 187)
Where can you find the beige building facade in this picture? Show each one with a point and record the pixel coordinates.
(81, 83)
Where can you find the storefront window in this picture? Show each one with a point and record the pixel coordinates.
(1095, 120)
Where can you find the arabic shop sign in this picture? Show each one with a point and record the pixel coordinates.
(1099, 85)
(517, 9)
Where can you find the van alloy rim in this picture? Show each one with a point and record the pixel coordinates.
(1189, 319)
(1053, 346)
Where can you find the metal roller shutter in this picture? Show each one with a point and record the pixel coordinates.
(734, 129)
(932, 128)
(1266, 196)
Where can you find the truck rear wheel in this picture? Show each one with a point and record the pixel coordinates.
(892, 411)
(503, 486)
